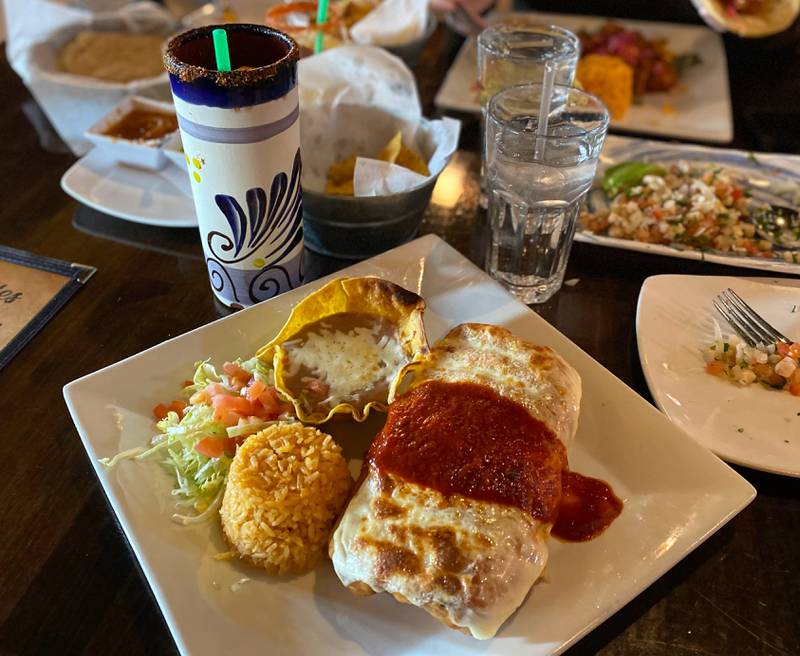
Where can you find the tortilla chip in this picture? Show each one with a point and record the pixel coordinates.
(392, 149)
(340, 177)
(412, 161)
(340, 174)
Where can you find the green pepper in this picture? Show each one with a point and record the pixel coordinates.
(628, 174)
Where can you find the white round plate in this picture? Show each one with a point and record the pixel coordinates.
(160, 198)
(752, 425)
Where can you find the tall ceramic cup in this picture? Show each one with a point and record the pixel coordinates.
(241, 136)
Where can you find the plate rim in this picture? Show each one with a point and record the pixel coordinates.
(80, 166)
(745, 492)
(657, 395)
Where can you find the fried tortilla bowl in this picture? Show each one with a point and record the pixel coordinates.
(343, 346)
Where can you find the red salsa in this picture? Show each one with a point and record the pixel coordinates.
(588, 506)
(463, 438)
(143, 125)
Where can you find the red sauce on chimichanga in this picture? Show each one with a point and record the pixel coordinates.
(587, 508)
(464, 438)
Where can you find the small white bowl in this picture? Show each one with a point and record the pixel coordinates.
(146, 154)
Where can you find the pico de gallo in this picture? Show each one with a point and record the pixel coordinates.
(776, 366)
(697, 206)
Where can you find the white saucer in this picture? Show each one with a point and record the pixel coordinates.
(752, 425)
(161, 198)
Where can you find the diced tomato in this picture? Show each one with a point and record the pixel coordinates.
(255, 389)
(229, 445)
(794, 383)
(214, 389)
(187, 383)
(715, 368)
(794, 351)
(229, 409)
(179, 407)
(270, 402)
(737, 193)
(162, 409)
(237, 403)
(782, 348)
(235, 371)
(210, 447)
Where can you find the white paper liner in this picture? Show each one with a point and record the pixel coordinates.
(392, 23)
(353, 100)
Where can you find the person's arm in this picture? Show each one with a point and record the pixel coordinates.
(464, 16)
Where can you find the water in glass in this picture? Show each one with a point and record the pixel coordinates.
(534, 202)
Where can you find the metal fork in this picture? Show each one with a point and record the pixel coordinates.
(751, 326)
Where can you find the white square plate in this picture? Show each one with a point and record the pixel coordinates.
(698, 108)
(676, 494)
(753, 425)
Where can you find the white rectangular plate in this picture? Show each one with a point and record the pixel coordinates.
(698, 108)
(752, 425)
(776, 176)
(676, 494)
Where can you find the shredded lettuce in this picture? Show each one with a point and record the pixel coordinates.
(259, 369)
(199, 480)
(204, 375)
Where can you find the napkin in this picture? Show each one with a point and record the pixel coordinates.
(392, 23)
(353, 100)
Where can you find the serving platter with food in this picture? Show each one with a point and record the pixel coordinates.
(486, 404)
(692, 202)
(741, 402)
(657, 78)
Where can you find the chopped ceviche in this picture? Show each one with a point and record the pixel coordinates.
(776, 366)
(695, 206)
(199, 433)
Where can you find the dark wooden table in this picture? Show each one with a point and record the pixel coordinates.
(68, 581)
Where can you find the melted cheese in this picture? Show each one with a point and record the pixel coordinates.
(534, 376)
(352, 363)
(469, 563)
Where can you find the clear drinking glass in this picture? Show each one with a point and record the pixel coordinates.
(514, 51)
(535, 190)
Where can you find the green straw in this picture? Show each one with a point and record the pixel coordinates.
(322, 18)
(221, 50)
